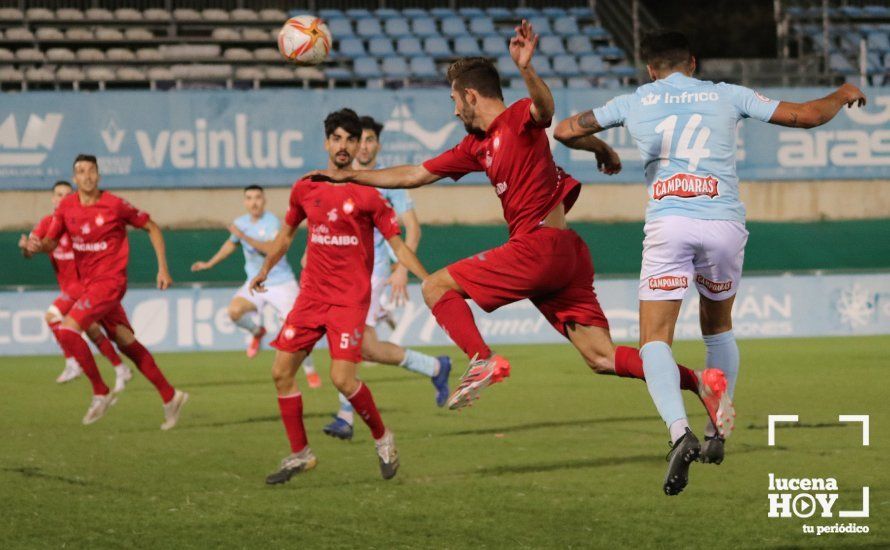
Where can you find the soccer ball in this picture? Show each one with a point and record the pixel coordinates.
(305, 40)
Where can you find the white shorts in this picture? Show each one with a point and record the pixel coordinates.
(280, 297)
(678, 251)
(378, 286)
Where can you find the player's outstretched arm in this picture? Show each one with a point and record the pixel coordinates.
(36, 244)
(157, 242)
(279, 248)
(522, 49)
(224, 252)
(23, 246)
(577, 132)
(407, 176)
(264, 247)
(407, 257)
(818, 111)
(398, 281)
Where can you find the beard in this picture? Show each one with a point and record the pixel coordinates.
(342, 165)
(473, 131)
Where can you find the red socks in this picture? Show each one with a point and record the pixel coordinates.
(147, 366)
(107, 349)
(629, 365)
(73, 344)
(54, 328)
(454, 316)
(291, 407)
(363, 403)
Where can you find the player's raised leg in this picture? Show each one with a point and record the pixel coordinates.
(290, 405)
(53, 318)
(69, 336)
(122, 373)
(722, 352)
(241, 311)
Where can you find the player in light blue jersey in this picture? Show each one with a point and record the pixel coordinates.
(255, 232)
(385, 274)
(685, 130)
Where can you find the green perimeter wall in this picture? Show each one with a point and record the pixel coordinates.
(616, 250)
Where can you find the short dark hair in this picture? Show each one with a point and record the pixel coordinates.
(86, 158)
(253, 187)
(477, 73)
(666, 49)
(344, 118)
(62, 183)
(369, 123)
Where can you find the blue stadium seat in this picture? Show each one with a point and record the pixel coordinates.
(395, 67)
(582, 12)
(551, 45)
(471, 12)
(454, 26)
(424, 26)
(331, 14)
(507, 31)
(525, 13)
(368, 27)
(387, 13)
(612, 53)
(541, 25)
(494, 46)
(876, 11)
(338, 73)
(482, 26)
(516, 83)
(442, 13)
(592, 65)
(554, 12)
(555, 83)
(352, 47)
(566, 26)
(887, 61)
(340, 28)
(409, 46)
(358, 13)
(566, 65)
(579, 44)
(423, 67)
(499, 13)
(467, 46)
(396, 27)
(839, 64)
(381, 47)
(507, 68)
(436, 46)
(578, 83)
(543, 67)
(414, 13)
(879, 42)
(596, 32)
(622, 71)
(608, 83)
(366, 67)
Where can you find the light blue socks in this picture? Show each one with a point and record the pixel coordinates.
(346, 411)
(663, 381)
(246, 322)
(722, 353)
(420, 363)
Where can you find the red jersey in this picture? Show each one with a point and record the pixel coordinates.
(515, 154)
(62, 258)
(98, 235)
(340, 245)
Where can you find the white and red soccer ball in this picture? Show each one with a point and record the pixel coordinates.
(305, 40)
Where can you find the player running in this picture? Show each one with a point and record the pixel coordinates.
(62, 260)
(336, 292)
(96, 222)
(685, 129)
(255, 232)
(436, 368)
(543, 260)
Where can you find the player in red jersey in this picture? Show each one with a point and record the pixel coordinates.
(336, 292)
(543, 260)
(96, 222)
(62, 260)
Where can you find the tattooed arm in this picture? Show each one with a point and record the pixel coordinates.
(818, 111)
(576, 132)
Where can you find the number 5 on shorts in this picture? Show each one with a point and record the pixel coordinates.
(344, 340)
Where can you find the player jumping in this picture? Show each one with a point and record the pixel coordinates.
(62, 260)
(255, 232)
(543, 260)
(96, 222)
(335, 295)
(436, 368)
(685, 129)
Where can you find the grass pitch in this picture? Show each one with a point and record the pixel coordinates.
(554, 457)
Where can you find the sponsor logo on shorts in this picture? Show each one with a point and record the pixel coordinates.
(714, 286)
(500, 188)
(90, 247)
(668, 282)
(685, 186)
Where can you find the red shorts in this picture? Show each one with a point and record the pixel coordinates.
(101, 303)
(551, 267)
(65, 301)
(311, 319)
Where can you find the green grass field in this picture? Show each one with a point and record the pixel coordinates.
(553, 457)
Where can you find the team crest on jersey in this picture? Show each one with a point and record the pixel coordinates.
(85, 229)
(348, 207)
(332, 215)
(685, 186)
(668, 282)
(496, 143)
(100, 221)
(714, 286)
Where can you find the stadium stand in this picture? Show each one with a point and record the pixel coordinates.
(123, 47)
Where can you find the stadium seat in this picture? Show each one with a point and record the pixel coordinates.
(149, 54)
(126, 14)
(71, 14)
(352, 47)
(49, 33)
(131, 74)
(499, 13)
(267, 54)
(74, 33)
(90, 54)
(380, 47)
(424, 26)
(878, 42)
(608, 83)
(309, 73)
(414, 13)
(261, 35)
(39, 14)
(555, 83)
(338, 73)
(249, 73)
(138, 33)
(100, 74)
(340, 28)
(368, 28)
(194, 52)
(226, 33)
(554, 13)
(578, 45)
(541, 25)
(242, 14)
(596, 32)
(39, 74)
(386, 13)
(22, 33)
(471, 13)
(120, 54)
(453, 27)
(566, 65)
(579, 11)
(482, 26)
(397, 27)
(566, 26)
(186, 15)
(358, 13)
(331, 13)
(197, 71)
(70, 74)
(272, 15)
(551, 45)
(238, 54)
(7, 55)
(160, 73)
(214, 15)
(592, 65)
(494, 46)
(423, 67)
(442, 13)
(840, 64)
(156, 14)
(100, 14)
(526, 13)
(578, 83)
(57, 55)
(107, 33)
(516, 83)
(395, 67)
(9, 74)
(11, 14)
(366, 67)
(507, 68)
(29, 55)
(467, 46)
(611, 53)
(622, 71)
(543, 67)
(409, 46)
(436, 46)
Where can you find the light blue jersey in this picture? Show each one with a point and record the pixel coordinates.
(685, 129)
(264, 229)
(401, 203)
